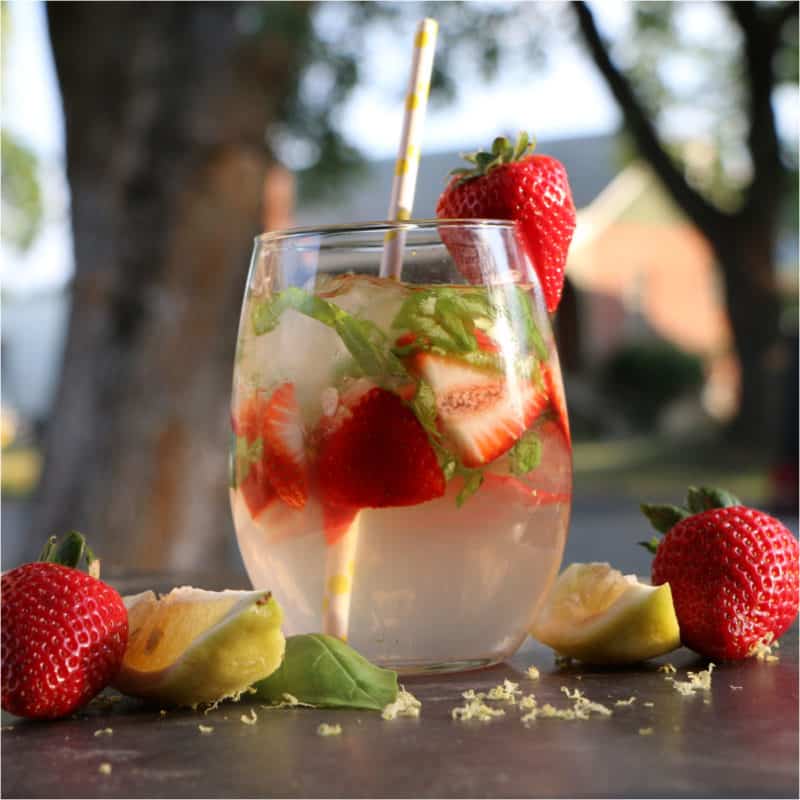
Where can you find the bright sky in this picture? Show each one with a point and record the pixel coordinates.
(31, 109)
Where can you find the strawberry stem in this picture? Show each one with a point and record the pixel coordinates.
(704, 498)
(502, 151)
(663, 517)
(69, 552)
(651, 545)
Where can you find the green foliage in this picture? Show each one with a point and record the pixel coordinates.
(682, 75)
(21, 193)
(526, 454)
(644, 378)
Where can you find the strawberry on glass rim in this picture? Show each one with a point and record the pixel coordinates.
(512, 182)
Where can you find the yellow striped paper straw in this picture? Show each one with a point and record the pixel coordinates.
(339, 574)
(407, 164)
(340, 557)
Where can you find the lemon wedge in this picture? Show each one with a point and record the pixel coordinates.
(598, 615)
(192, 646)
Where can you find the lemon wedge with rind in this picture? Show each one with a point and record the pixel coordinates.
(596, 614)
(193, 646)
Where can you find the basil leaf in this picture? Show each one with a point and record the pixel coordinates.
(424, 406)
(472, 482)
(485, 360)
(448, 314)
(364, 340)
(472, 305)
(247, 453)
(266, 314)
(532, 334)
(447, 462)
(435, 333)
(325, 672)
(417, 305)
(526, 454)
(356, 337)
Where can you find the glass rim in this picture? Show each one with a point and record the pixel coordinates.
(381, 226)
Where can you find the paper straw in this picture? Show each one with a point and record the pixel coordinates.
(340, 558)
(339, 573)
(405, 171)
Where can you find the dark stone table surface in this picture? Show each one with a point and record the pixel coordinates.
(740, 739)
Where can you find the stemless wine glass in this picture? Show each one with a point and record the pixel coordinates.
(401, 465)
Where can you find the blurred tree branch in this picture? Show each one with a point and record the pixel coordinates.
(640, 127)
(743, 237)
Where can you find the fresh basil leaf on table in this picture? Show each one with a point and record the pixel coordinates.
(323, 671)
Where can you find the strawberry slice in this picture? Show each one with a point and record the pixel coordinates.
(480, 412)
(255, 487)
(485, 342)
(557, 400)
(284, 446)
(378, 456)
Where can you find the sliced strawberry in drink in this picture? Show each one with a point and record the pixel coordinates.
(284, 446)
(251, 471)
(377, 456)
(406, 339)
(481, 412)
(557, 400)
(485, 342)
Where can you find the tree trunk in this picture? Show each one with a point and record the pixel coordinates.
(166, 105)
(746, 251)
(744, 242)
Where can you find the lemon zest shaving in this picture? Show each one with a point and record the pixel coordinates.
(645, 731)
(205, 729)
(104, 768)
(629, 702)
(507, 691)
(533, 673)
(289, 701)
(475, 708)
(648, 704)
(324, 729)
(252, 719)
(104, 732)
(762, 649)
(697, 680)
(668, 668)
(405, 705)
(735, 688)
(582, 708)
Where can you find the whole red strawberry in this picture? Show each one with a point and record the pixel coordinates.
(512, 183)
(733, 572)
(64, 634)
